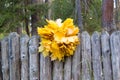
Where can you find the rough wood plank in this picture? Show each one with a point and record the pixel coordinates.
(45, 68)
(67, 69)
(107, 68)
(115, 50)
(0, 62)
(86, 56)
(96, 56)
(4, 58)
(24, 57)
(76, 63)
(33, 59)
(14, 56)
(57, 70)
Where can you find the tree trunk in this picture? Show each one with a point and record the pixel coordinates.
(35, 17)
(107, 16)
(78, 14)
(34, 20)
(26, 2)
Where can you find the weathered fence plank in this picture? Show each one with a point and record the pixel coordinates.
(96, 56)
(106, 56)
(34, 59)
(0, 62)
(76, 63)
(20, 60)
(57, 70)
(86, 56)
(4, 59)
(67, 69)
(115, 50)
(45, 68)
(14, 56)
(24, 57)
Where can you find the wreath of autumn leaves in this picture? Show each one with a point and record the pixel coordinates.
(58, 39)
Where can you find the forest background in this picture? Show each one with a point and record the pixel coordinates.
(24, 16)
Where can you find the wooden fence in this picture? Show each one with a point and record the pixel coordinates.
(96, 58)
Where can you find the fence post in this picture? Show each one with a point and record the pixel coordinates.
(67, 68)
(24, 57)
(57, 70)
(96, 56)
(34, 59)
(76, 63)
(86, 56)
(115, 50)
(4, 59)
(106, 56)
(14, 56)
(45, 68)
(0, 63)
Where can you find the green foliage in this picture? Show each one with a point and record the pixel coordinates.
(62, 9)
(92, 16)
(14, 12)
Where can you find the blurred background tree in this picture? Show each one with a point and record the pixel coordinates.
(16, 14)
(24, 16)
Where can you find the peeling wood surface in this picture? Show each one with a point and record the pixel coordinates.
(106, 56)
(86, 56)
(76, 63)
(14, 56)
(45, 68)
(0, 62)
(33, 59)
(24, 57)
(96, 56)
(115, 50)
(4, 59)
(67, 69)
(57, 70)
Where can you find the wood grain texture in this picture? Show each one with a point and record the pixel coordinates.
(115, 50)
(4, 59)
(57, 70)
(86, 56)
(106, 56)
(96, 56)
(67, 69)
(34, 59)
(45, 68)
(76, 63)
(24, 57)
(0, 62)
(14, 56)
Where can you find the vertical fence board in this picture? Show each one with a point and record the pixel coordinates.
(33, 59)
(115, 50)
(34, 66)
(67, 69)
(14, 56)
(4, 59)
(107, 68)
(76, 63)
(45, 68)
(0, 62)
(96, 56)
(86, 56)
(24, 57)
(57, 70)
